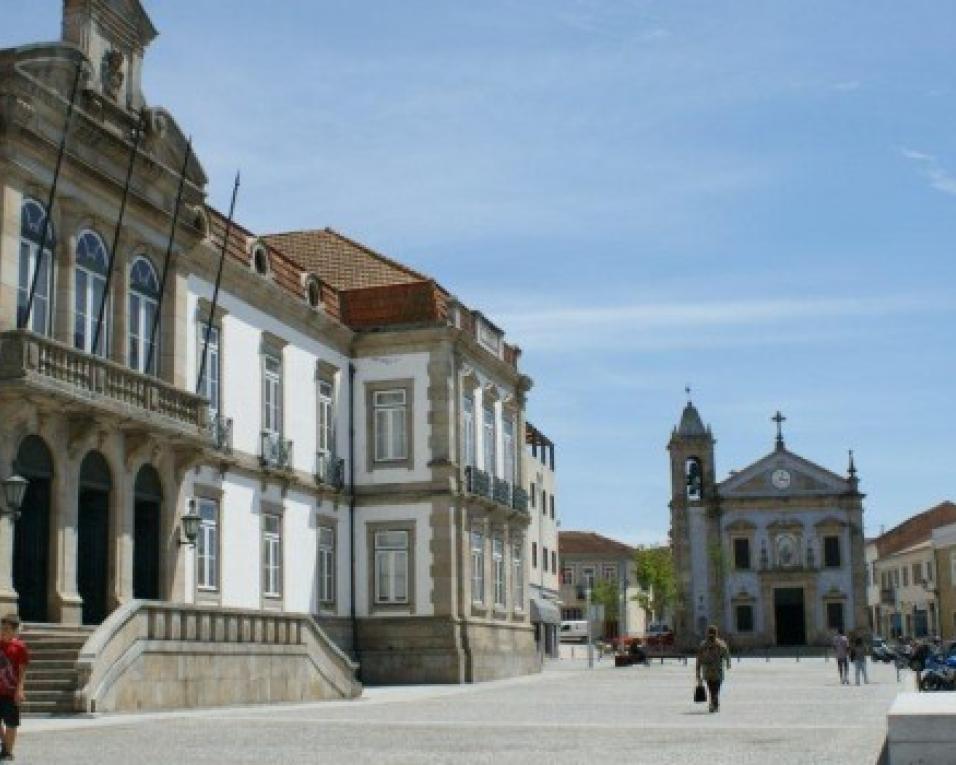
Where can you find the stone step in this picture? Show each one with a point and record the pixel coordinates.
(49, 644)
(42, 684)
(61, 707)
(55, 654)
(40, 697)
(56, 627)
(44, 663)
(42, 671)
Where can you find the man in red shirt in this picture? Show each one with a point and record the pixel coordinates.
(14, 658)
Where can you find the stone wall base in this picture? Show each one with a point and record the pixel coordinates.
(442, 650)
(180, 676)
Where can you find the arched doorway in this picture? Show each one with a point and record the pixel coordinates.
(31, 539)
(147, 504)
(92, 549)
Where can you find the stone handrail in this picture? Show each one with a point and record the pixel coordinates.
(120, 640)
(24, 353)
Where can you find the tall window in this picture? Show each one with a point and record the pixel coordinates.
(489, 439)
(32, 218)
(544, 502)
(209, 386)
(468, 426)
(544, 558)
(554, 561)
(391, 441)
(742, 553)
(517, 572)
(91, 265)
(567, 575)
(498, 563)
(534, 555)
(207, 545)
(477, 566)
(745, 618)
(143, 305)
(326, 442)
(551, 499)
(587, 577)
(271, 555)
(835, 616)
(272, 394)
(326, 565)
(391, 567)
(508, 438)
(831, 552)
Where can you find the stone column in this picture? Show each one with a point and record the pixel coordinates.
(173, 554)
(121, 536)
(173, 329)
(66, 605)
(10, 202)
(119, 295)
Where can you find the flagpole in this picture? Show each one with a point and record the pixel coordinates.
(215, 292)
(169, 251)
(48, 212)
(116, 231)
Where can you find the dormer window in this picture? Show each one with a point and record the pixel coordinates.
(260, 260)
(313, 290)
(489, 336)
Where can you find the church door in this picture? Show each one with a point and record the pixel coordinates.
(789, 616)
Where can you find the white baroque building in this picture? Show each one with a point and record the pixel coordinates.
(352, 448)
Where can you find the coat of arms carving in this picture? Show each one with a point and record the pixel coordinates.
(112, 72)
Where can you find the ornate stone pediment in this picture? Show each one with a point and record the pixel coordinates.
(783, 474)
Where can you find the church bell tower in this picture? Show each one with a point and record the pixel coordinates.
(694, 526)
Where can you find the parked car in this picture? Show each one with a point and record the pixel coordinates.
(573, 631)
(659, 633)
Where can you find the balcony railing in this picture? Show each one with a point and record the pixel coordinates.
(276, 452)
(519, 499)
(219, 430)
(66, 371)
(329, 470)
(477, 482)
(502, 492)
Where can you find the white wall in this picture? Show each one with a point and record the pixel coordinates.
(420, 513)
(412, 366)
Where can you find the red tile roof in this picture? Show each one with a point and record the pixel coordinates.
(589, 543)
(916, 529)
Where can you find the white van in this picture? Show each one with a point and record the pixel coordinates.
(574, 631)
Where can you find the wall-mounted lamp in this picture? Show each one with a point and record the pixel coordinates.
(190, 525)
(14, 489)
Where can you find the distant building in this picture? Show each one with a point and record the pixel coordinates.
(904, 592)
(944, 547)
(588, 558)
(773, 554)
(538, 470)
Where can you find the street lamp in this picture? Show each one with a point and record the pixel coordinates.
(14, 489)
(190, 523)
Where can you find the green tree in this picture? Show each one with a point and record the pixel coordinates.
(654, 568)
(606, 594)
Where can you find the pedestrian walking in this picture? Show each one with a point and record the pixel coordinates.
(841, 649)
(858, 657)
(712, 654)
(14, 658)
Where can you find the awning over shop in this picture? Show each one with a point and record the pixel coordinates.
(545, 611)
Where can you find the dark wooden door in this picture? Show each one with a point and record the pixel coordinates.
(789, 616)
(92, 565)
(146, 550)
(31, 551)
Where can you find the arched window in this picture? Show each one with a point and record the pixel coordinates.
(91, 265)
(694, 478)
(143, 304)
(32, 218)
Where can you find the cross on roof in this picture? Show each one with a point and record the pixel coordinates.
(779, 419)
(687, 391)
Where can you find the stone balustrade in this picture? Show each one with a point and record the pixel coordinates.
(154, 655)
(54, 367)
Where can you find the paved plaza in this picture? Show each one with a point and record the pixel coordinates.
(778, 712)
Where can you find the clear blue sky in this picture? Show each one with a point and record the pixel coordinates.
(756, 198)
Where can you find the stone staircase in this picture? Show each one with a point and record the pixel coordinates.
(52, 674)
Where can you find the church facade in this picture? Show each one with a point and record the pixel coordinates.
(773, 555)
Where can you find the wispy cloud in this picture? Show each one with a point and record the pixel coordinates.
(716, 323)
(930, 167)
